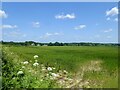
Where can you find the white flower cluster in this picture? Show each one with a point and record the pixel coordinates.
(49, 69)
(26, 62)
(36, 63)
(20, 72)
(55, 75)
(36, 56)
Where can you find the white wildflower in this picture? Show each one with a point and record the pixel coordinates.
(55, 75)
(26, 62)
(35, 64)
(20, 72)
(35, 56)
(49, 69)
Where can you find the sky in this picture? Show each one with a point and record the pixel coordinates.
(61, 22)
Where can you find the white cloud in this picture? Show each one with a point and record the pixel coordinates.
(65, 16)
(8, 26)
(50, 34)
(36, 24)
(108, 19)
(3, 14)
(112, 12)
(116, 19)
(109, 30)
(80, 27)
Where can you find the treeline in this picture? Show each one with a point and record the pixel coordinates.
(32, 43)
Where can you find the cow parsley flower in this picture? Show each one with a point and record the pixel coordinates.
(20, 72)
(35, 56)
(55, 75)
(35, 64)
(26, 62)
(49, 69)
(65, 71)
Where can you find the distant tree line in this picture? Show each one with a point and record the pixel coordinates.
(32, 43)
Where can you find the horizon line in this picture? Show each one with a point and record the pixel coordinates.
(63, 42)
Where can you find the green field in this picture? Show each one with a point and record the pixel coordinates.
(72, 66)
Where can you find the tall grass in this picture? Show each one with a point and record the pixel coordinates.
(72, 59)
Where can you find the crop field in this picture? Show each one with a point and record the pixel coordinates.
(59, 67)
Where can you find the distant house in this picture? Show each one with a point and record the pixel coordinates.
(38, 44)
(32, 44)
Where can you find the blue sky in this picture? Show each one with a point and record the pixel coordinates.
(63, 22)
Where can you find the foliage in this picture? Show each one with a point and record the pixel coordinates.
(32, 43)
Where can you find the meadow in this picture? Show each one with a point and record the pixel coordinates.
(60, 66)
